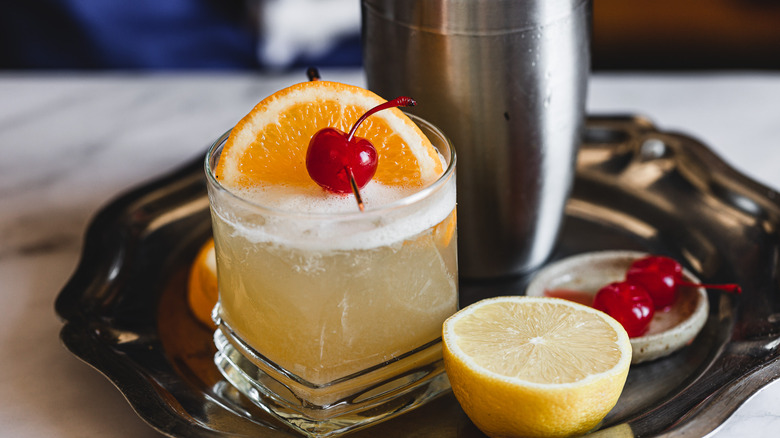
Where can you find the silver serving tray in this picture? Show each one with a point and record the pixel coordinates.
(636, 188)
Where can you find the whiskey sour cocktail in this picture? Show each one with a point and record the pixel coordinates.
(336, 256)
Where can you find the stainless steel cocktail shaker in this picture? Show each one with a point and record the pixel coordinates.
(506, 80)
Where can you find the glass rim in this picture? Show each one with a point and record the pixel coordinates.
(411, 199)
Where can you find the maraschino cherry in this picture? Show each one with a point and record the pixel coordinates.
(629, 304)
(342, 162)
(662, 276)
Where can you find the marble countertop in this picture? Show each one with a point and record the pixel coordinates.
(72, 142)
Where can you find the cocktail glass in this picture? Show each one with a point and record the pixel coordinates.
(332, 321)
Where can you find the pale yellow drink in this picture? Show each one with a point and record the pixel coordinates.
(323, 313)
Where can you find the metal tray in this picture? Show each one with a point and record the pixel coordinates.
(636, 188)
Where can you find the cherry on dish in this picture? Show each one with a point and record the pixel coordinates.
(662, 276)
(629, 304)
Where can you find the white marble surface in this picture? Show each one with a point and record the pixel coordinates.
(70, 143)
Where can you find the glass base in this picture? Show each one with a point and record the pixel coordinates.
(352, 402)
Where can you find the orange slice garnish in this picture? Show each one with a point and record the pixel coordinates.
(268, 146)
(202, 286)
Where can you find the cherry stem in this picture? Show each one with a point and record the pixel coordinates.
(313, 74)
(398, 101)
(355, 190)
(731, 288)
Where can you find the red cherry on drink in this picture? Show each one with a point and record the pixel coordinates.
(662, 276)
(629, 304)
(335, 160)
(331, 157)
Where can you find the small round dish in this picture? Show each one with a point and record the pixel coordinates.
(586, 273)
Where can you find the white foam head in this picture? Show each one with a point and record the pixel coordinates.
(313, 219)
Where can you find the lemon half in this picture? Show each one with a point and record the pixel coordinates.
(535, 367)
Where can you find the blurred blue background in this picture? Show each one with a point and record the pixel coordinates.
(179, 34)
